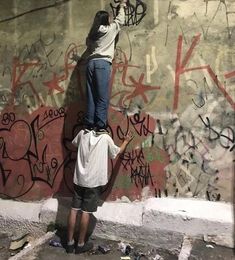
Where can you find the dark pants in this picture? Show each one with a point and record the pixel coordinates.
(86, 199)
(97, 87)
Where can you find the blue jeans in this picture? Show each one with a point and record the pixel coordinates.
(97, 87)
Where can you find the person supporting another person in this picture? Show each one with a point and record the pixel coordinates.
(101, 46)
(90, 175)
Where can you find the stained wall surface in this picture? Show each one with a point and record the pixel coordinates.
(172, 85)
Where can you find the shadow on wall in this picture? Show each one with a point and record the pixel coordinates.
(75, 104)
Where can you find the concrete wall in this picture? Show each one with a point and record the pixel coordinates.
(172, 84)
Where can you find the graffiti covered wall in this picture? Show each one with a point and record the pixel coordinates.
(172, 85)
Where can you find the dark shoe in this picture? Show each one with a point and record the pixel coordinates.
(101, 131)
(69, 249)
(82, 249)
(89, 127)
(86, 130)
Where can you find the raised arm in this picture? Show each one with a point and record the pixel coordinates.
(120, 18)
(127, 139)
(113, 149)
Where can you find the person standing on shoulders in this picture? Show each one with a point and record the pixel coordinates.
(101, 46)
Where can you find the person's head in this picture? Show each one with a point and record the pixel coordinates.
(101, 18)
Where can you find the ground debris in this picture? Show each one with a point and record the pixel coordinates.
(139, 256)
(104, 249)
(158, 257)
(209, 246)
(55, 243)
(125, 248)
(18, 244)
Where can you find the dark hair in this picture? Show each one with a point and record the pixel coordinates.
(101, 18)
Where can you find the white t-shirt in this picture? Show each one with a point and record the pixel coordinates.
(104, 46)
(91, 168)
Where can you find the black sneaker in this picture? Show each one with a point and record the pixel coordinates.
(88, 127)
(70, 249)
(87, 130)
(82, 249)
(101, 131)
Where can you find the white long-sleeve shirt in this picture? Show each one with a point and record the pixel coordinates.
(91, 169)
(104, 46)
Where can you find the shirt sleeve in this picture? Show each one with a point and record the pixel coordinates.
(119, 20)
(76, 139)
(113, 149)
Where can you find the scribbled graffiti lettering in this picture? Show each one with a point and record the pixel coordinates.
(53, 113)
(45, 171)
(26, 144)
(140, 124)
(141, 175)
(185, 138)
(130, 158)
(134, 12)
(5, 174)
(8, 118)
(18, 72)
(176, 155)
(213, 195)
(225, 135)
